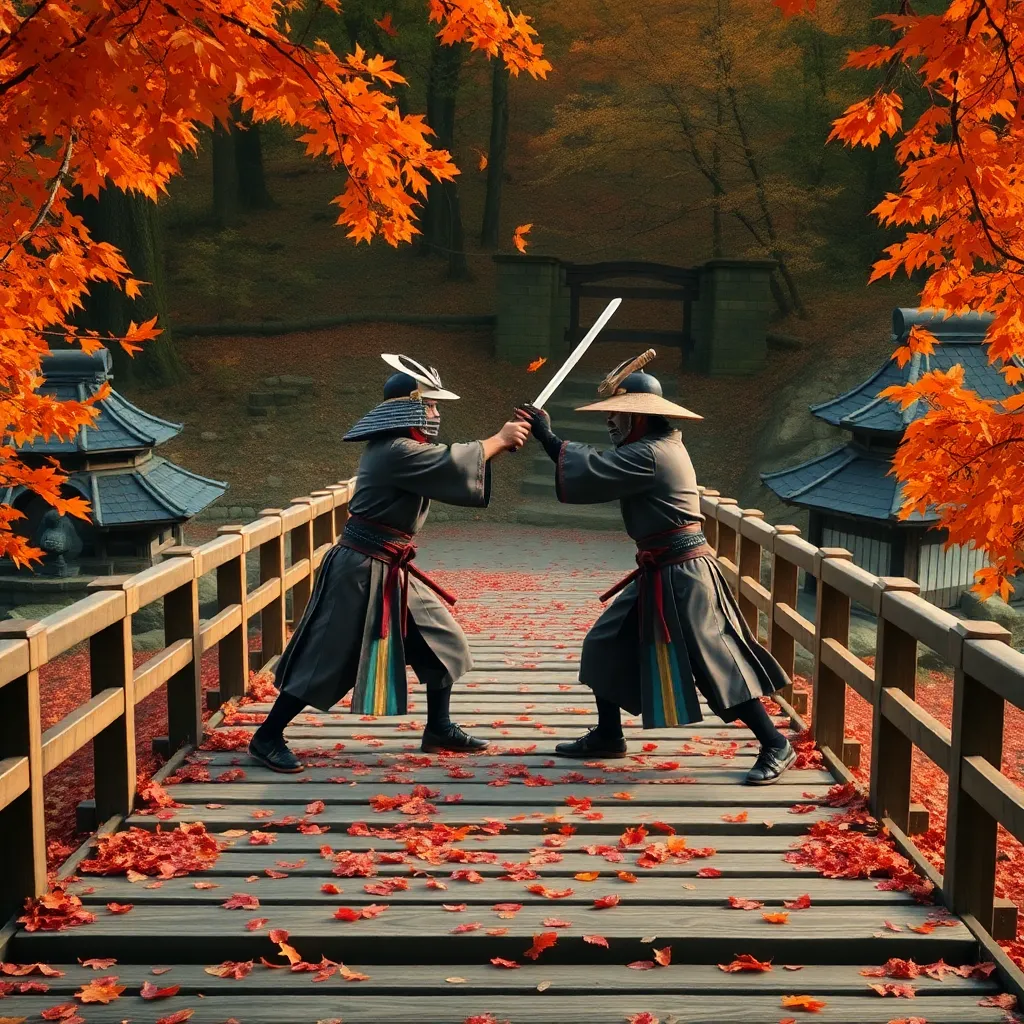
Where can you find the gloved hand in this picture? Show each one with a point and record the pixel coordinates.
(540, 427)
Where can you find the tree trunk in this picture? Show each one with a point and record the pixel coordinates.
(717, 245)
(131, 222)
(252, 183)
(442, 219)
(225, 178)
(496, 153)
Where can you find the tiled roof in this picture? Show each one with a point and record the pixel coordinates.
(120, 425)
(156, 491)
(850, 480)
(960, 343)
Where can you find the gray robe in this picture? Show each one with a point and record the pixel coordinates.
(711, 649)
(395, 482)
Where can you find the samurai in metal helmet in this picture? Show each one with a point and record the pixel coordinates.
(406, 394)
(627, 392)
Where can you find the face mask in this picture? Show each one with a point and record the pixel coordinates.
(619, 427)
(432, 427)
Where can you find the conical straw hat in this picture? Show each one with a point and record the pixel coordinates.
(641, 403)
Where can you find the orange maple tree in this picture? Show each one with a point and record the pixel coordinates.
(109, 93)
(961, 202)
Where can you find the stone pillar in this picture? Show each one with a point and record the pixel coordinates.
(532, 307)
(730, 319)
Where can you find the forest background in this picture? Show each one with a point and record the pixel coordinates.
(668, 130)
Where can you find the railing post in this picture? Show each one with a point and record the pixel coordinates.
(784, 591)
(324, 531)
(969, 878)
(272, 618)
(342, 494)
(832, 620)
(22, 822)
(892, 752)
(749, 564)
(185, 687)
(302, 547)
(725, 545)
(111, 663)
(709, 508)
(233, 650)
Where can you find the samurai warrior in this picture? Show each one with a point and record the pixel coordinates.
(372, 611)
(674, 631)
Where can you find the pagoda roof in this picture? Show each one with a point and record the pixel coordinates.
(849, 480)
(960, 340)
(155, 491)
(120, 425)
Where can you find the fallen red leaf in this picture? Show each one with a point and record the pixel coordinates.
(151, 991)
(237, 969)
(545, 940)
(178, 1017)
(745, 962)
(120, 908)
(800, 903)
(241, 901)
(102, 990)
(500, 962)
(808, 1003)
(596, 940)
(603, 902)
(739, 903)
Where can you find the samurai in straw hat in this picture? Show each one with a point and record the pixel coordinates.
(372, 611)
(674, 631)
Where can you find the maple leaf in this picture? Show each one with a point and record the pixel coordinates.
(384, 24)
(256, 923)
(241, 901)
(642, 965)
(745, 962)
(151, 991)
(101, 990)
(231, 969)
(740, 817)
(519, 237)
(542, 941)
(98, 963)
(178, 1017)
(604, 902)
(1004, 1000)
(780, 917)
(709, 873)
(469, 926)
(596, 940)
(663, 956)
(549, 894)
(800, 903)
(738, 903)
(120, 908)
(890, 989)
(533, 367)
(808, 1003)
(643, 1018)
(500, 962)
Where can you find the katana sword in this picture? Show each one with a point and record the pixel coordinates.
(577, 353)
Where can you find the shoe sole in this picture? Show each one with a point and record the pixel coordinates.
(771, 782)
(276, 768)
(592, 755)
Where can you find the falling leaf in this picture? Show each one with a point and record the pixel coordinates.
(519, 236)
(536, 364)
(482, 162)
(385, 25)
(663, 956)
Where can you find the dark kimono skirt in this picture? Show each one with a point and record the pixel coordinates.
(676, 631)
(339, 644)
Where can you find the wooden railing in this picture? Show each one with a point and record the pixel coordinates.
(987, 673)
(107, 719)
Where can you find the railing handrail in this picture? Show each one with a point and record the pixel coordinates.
(987, 673)
(103, 618)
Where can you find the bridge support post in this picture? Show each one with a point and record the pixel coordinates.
(730, 322)
(533, 308)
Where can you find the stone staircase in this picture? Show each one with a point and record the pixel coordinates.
(539, 505)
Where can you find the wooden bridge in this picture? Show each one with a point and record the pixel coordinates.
(590, 877)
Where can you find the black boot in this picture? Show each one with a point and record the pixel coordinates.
(441, 732)
(273, 753)
(450, 737)
(771, 764)
(267, 744)
(595, 744)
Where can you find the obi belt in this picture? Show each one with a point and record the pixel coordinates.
(381, 685)
(668, 696)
